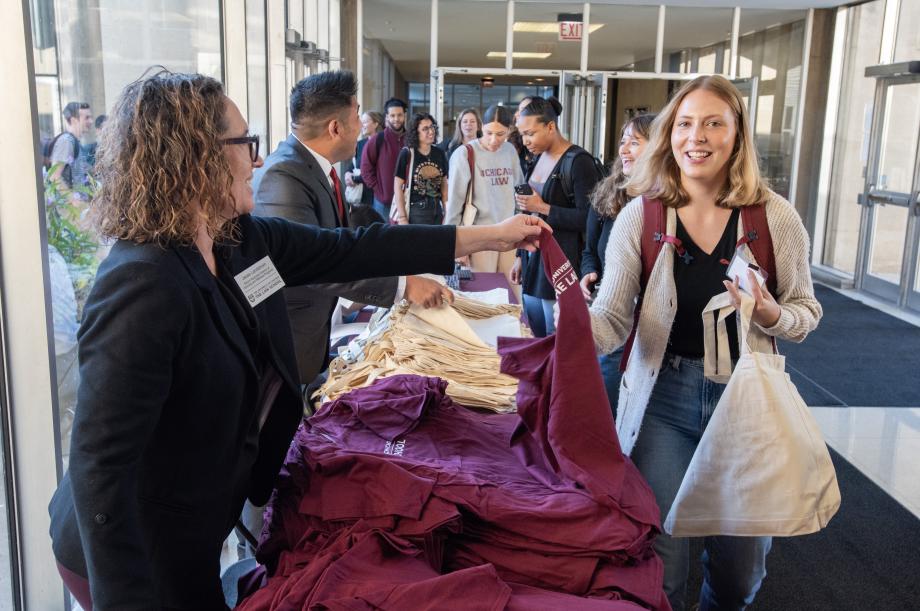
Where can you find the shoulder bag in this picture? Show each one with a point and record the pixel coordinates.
(468, 216)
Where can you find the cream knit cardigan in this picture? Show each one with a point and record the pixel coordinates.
(612, 311)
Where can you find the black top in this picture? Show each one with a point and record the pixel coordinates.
(170, 393)
(598, 234)
(566, 217)
(698, 281)
(428, 172)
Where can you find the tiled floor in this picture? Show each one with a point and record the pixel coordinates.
(882, 442)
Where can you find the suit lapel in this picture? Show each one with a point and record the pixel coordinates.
(316, 173)
(222, 315)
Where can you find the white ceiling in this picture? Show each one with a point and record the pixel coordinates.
(468, 29)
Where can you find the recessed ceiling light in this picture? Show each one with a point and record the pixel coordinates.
(547, 27)
(539, 79)
(517, 55)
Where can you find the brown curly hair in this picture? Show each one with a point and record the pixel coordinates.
(610, 196)
(161, 164)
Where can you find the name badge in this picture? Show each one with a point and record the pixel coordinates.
(259, 281)
(739, 268)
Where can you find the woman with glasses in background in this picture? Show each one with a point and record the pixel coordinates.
(420, 184)
(189, 393)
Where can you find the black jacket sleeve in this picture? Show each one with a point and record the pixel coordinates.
(590, 257)
(584, 178)
(305, 255)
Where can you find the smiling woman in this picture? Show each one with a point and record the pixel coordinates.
(701, 167)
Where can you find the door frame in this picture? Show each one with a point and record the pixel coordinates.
(903, 294)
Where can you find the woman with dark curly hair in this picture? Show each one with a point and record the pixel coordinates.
(421, 175)
(189, 396)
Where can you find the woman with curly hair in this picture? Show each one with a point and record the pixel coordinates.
(420, 184)
(189, 396)
(608, 199)
(701, 166)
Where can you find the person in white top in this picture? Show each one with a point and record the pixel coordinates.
(497, 170)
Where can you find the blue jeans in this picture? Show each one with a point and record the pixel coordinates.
(539, 315)
(610, 372)
(678, 411)
(382, 209)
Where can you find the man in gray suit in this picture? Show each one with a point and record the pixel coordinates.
(298, 182)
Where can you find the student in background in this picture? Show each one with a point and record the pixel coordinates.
(469, 127)
(606, 202)
(561, 180)
(378, 159)
(420, 184)
(496, 170)
(371, 124)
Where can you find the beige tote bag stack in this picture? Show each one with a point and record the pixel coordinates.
(761, 467)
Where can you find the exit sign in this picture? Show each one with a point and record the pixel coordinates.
(570, 30)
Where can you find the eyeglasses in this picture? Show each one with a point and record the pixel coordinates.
(426, 128)
(252, 141)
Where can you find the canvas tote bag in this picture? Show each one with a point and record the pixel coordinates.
(468, 216)
(407, 189)
(761, 467)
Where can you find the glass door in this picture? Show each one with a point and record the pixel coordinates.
(887, 259)
(584, 110)
(748, 88)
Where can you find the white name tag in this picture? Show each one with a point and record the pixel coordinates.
(259, 281)
(739, 268)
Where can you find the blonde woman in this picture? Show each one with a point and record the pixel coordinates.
(702, 165)
(468, 128)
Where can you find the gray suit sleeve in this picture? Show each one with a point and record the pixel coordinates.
(282, 192)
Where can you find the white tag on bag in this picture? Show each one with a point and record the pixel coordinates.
(259, 281)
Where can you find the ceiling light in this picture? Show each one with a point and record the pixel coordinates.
(517, 55)
(539, 79)
(547, 27)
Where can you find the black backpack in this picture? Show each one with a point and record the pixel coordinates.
(565, 170)
(48, 149)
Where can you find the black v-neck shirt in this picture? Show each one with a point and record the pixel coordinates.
(699, 279)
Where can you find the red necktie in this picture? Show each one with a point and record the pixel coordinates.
(338, 195)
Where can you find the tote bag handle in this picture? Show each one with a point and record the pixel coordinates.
(717, 360)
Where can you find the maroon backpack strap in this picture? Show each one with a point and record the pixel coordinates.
(471, 160)
(757, 237)
(654, 235)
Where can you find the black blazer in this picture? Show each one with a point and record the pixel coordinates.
(291, 185)
(159, 465)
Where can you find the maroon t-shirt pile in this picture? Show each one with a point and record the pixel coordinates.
(394, 497)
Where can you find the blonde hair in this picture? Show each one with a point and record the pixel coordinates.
(657, 174)
(161, 164)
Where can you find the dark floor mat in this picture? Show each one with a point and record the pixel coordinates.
(868, 557)
(858, 356)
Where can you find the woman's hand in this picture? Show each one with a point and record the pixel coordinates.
(464, 261)
(520, 231)
(587, 283)
(766, 310)
(516, 271)
(531, 203)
